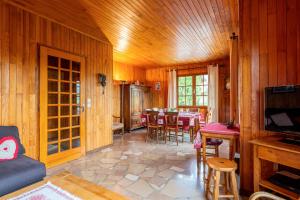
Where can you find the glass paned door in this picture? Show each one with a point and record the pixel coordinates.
(61, 103)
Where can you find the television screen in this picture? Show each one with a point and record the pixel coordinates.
(282, 109)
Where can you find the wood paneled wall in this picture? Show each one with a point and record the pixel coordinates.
(160, 98)
(21, 34)
(269, 56)
(128, 73)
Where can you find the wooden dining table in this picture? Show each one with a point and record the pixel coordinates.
(184, 118)
(220, 131)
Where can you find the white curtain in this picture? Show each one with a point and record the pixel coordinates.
(172, 90)
(213, 88)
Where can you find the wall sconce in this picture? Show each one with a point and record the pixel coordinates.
(101, 78)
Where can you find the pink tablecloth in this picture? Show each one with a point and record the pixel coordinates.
(184, 119)
(220, 129)
(214, 128)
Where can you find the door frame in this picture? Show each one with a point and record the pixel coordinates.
(61, 157)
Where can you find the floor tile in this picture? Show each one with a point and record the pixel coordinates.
(132, 177)
(179, 189)
(177, 169)
(141, 188)
(143, 171)
(167, 174)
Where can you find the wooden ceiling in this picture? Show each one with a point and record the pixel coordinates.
(163, 32)
(150, 32)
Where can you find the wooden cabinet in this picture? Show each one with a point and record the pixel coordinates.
(136, 99)
(273, 151)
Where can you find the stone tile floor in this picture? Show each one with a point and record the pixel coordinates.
(142, 170)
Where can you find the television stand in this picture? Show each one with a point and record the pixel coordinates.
(272, 150)
(292, 141)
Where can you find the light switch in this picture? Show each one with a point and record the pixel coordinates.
(89, 103)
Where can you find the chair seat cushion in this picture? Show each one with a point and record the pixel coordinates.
(185, 128)
(20, 172)
(213, 142)
(117, 126)
(171, 127)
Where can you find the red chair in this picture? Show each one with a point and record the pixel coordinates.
(185, 128)
(210, 144)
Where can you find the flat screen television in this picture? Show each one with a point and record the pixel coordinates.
(282, 109)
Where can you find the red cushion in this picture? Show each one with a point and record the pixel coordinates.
(8, 148)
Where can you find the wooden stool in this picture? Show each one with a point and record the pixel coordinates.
(219, 165)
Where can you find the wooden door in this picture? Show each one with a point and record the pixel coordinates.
(62, 126)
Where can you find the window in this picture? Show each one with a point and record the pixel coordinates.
(193, 90)
(185, 91)
(202, 90)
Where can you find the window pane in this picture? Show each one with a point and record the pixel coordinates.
(206, 90)
(188, 80)
(181, 91)
(199, 80)
(197, 90)
(189, 100)
(205, 79)
(181, 81)
(199, 100)
(189, 90)
(205, 100)
(181, 100)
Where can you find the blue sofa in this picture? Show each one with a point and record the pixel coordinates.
(20, 172)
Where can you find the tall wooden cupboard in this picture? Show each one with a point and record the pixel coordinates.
(137, 98)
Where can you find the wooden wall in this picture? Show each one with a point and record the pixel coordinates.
(128, 73)
(21, 34)
(269, 56)
(160, 98)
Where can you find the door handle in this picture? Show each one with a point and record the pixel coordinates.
(82, 108)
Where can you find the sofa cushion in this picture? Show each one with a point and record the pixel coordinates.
(20, 172)
(8, 148)
(12, 131)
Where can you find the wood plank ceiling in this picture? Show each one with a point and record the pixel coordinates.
(156, 32)
(150, 32)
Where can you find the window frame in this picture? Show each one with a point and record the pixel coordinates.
(193, 91)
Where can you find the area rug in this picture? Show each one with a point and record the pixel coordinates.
(47, 191)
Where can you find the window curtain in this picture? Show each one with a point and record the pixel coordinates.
(172, 89)
(213, 88)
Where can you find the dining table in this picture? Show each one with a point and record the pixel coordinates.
(220, 131)
(187, 120)
(184, 118)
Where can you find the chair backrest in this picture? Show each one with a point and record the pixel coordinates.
(171, 119)
(203, 114)
(152, 118)
(208, 116)
(193, 110)
(196, 123)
